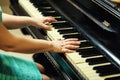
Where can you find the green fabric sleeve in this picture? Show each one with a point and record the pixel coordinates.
(0, 14)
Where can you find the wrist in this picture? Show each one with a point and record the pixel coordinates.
(30, 21)
(51, 46)
(55, 46)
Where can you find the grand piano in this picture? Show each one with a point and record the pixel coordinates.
(96, 23)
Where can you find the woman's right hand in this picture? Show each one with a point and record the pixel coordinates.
(65, 46)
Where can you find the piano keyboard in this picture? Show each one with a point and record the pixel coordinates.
(87, 60)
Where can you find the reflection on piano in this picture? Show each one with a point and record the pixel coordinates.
(96, 26)
(115, 1)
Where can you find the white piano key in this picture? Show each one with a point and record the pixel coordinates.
(32, 11)
(92, 66)
(88, 72)
(54, 34)
(75, 57)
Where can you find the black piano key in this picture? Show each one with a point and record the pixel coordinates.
(61, 24)
(59, 18)
(85, 44)
(88, 52)
(46, 4)
(39, 3)
(106, 70)
(64, 28)
(50, 13)
(71, 36)
(99, 60)
(35, 1)
(113, 78)
(77, 35)
(43, 6)
(41, 9)
(64, 31)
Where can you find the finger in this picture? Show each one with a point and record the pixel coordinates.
(50, 19)
(72, 39)
(72, 43)
(67, 51)
(71, 47)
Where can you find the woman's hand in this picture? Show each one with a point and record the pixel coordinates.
(43, 22)
(117, 1)
(65, 46)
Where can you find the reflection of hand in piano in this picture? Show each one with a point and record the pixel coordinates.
(117, 1)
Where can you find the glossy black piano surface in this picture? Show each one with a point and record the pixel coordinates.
(94, 25)
(111, 7)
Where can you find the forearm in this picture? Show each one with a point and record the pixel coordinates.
(33, 45)
(24, 45)
(13, 22)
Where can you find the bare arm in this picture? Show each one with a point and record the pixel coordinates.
(12, 22)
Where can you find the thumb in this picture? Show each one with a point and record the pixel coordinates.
(46, 27)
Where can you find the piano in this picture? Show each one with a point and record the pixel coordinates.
(96, 23)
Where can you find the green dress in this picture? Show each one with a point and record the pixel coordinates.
(13, 68)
